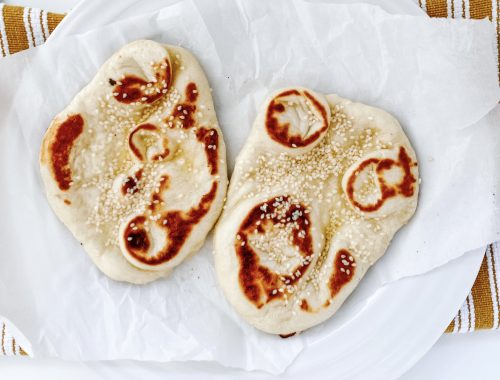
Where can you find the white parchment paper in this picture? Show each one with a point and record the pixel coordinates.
(438, 77)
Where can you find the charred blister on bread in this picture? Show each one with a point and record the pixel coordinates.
(378, 183)
(60, 146)
(154, 243)
(297, 119)
(131, 88)
(260, 283)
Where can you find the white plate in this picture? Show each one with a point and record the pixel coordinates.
(377, 334)
(391, 331)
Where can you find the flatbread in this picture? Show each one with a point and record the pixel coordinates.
(318, 191)
(135, 165)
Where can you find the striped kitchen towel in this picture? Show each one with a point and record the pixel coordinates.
(9, 346)
(481, 307)
(22, 28)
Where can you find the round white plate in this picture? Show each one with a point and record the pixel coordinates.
(377, 334)
(391, 330)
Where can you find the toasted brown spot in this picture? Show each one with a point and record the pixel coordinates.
(162, 155)
(304, 305)
(136, 237)
(177, 225)
(316, 104)
(288, 92)
(343, 271)
(130, 184)
(284, 336)
(67, 201)
(134, 89)
(210, 139)
(281, 132)
(404, 188)
(133, 147)
(60, 149)
(191, 92)
(258, 282)
(184, 113)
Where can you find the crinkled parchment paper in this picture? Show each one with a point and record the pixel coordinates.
(438, 77)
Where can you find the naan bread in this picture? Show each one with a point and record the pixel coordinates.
(135, 165)
(318, 192)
